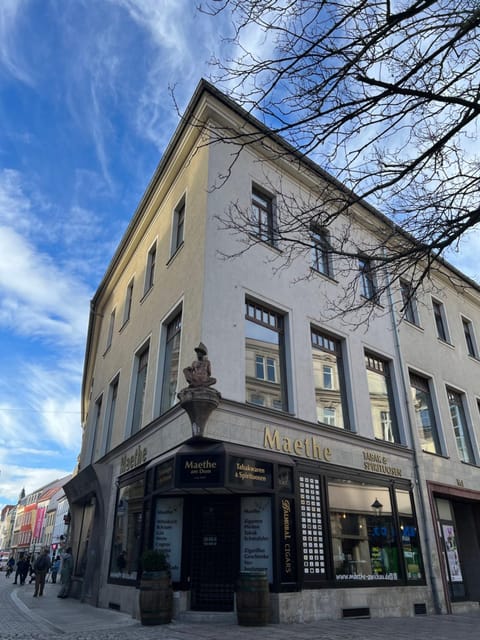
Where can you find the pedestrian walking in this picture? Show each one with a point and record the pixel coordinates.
(66, 573)
(22, 569)
(41, 567)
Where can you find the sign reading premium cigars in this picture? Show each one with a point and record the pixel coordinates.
(196, 470)
(287, 541)
(246, 473)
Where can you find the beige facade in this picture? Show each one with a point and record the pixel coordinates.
(311, 468)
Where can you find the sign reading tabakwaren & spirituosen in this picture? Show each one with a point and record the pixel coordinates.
(196, 470)
(249, 473)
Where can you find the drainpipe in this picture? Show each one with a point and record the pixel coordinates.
(416, 467)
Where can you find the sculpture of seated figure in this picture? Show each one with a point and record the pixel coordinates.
(199, 373)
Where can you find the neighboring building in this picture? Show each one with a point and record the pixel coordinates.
(7, 516)
(334, 453)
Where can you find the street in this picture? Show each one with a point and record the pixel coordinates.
(47, 618)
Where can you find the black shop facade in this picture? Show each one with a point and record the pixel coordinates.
(217, 509)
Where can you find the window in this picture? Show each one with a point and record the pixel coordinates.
(140, 383)
(110, 331)
(469, 338)
(460, 427)
(96, 425)
(381, 399)
(265, 357)
(150, 272)
(409, 307)
(262, 216)
(424, 414)
(110, 416)
(178, 226)
(321, 251)
(366, 542)
(171, 361)
(368, 288)
(440, 323)
(127, 531)
(128, 302)
(328, 375)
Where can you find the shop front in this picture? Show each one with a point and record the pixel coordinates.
(218, 509)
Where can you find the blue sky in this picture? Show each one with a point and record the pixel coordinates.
(85, 114)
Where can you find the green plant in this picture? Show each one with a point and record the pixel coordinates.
(154, 560)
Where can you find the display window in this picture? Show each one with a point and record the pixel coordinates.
(127, 530)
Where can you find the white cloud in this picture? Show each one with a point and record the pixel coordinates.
(13, 478)
(10, 48)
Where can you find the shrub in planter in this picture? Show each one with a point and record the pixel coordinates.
(156, 593)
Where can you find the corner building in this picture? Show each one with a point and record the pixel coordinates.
(310, 468)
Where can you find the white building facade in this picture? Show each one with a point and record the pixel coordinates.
(312, 466)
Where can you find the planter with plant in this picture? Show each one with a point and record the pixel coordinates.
(156, 593)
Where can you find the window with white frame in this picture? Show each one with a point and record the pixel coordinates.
(469, 338)
(328, 375)
(424, 414)
(111, 326)
(128, 302)
(171, 363)
(367, 280)
(409, 306)
(178, 226)
(141, 366)
(321, 256)
(381, 398)
(110, 414)
(262, 216)
(440, 320)
(150, 270)
(265, 356)
(460, 426)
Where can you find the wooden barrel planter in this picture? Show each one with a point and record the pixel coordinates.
(156, 598)
(253, 600)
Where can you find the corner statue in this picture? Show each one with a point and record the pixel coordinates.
(198, 374)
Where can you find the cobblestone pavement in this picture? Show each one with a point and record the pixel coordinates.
(26, 618)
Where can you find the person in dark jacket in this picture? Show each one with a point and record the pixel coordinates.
(22, 569)
(41, 566)
(66, 573)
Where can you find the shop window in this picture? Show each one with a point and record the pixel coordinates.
(424, 414)
(311, 520)
(127, 531)
(265, 359)
(409, 538)
(328, 374)
(364, 536)
(171, 362)
(381, 399)
(460, 427)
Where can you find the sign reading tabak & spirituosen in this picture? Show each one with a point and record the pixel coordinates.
(246, 472)
(378, 463)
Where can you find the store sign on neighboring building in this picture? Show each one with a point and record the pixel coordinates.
(256, 535)
(198, 470)
(248, 473)
(167, 536)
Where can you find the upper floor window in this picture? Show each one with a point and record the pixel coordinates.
(328, 374)
(367, 280)
(459, 424)
(262, 216)
(128, 302)
(110, 330)
(381, 399)
(265, 357)
(321, 251)
(170, 363)
(178, 226)
(110, 414)
(469, 338)
(409, 306)
(96, 426)
(440, 320)
(139, 388)
(424, 414)
(150, 272)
